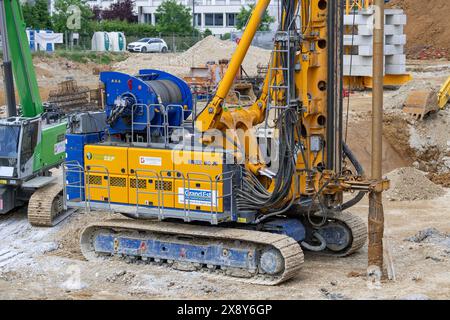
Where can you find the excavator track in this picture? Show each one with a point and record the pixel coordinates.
(357, 229)
(253, 244)
(45, 208)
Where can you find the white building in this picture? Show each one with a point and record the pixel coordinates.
(102, 4)
(219, 16)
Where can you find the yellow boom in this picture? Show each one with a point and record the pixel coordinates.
(210, 115)
(444, 94)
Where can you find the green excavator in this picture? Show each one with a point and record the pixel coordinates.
(32, 136)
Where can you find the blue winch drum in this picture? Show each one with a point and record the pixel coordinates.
(148, 88)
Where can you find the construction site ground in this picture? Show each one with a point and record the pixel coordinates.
(38, 263)
(42, 263)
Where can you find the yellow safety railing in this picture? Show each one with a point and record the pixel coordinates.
(357, 5)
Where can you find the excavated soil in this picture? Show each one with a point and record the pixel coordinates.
(411, 184)
(428, 28)
(51, 70)
(443, 179)
(208, 49)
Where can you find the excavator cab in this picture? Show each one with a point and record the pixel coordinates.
(18, 139)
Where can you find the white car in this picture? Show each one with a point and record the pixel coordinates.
(148, 45)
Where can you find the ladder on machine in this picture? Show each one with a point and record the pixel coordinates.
(282, 44)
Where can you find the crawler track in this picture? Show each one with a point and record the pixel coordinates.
(286, 247)
(358, 231)
(45, 208)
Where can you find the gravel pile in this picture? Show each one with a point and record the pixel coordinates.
(208, 49)
(431, 235)
(428, 235)
(412, 184)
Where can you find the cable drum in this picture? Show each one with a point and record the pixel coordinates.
(167, 91)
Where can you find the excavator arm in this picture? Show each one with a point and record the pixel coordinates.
(210, 116)
(16, 41)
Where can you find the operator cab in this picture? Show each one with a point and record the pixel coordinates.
(18, 140)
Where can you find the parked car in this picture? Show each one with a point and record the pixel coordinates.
(148, 45)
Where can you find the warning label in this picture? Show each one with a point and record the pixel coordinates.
(150, 161)
(59, 147)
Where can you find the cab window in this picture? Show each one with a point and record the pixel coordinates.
(29, 141)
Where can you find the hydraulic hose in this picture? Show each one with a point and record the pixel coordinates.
(321, 247)
(359, 169)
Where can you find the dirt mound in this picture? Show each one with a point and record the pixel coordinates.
(208, 49)
(68, 238)
(429, 18)
(411, 184)
(430, 140)
(443, 179)
(423, 144)
(51, 70)
(429, 235)
(212, 48)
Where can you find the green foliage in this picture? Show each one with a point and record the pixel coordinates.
(90, 56)
(129, 29)
(37, 16)
(173, 17)
(207, 32)
(244, 15)
(226, 36)
(62, 15)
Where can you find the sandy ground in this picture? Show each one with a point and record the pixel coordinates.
(39, 263)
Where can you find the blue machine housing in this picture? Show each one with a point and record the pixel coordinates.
(75, 163)
(151, 88)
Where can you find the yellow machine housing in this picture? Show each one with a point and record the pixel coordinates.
(150, 177)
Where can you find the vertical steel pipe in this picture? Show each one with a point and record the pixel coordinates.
(376, 214)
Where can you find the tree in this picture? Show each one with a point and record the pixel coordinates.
(122, 10)
(226, 36)
(37, 16)
(97, 13)
(173, 17)
(244, 15)
(207, 33)
(72, 16)
(130, 29)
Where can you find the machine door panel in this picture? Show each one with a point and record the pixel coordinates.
(9, 144)
(198, 186)
(104, 188)
(106, 159)
(148, 161)
(30, 137)
(151, 192)
(210, 163)
(153, 170)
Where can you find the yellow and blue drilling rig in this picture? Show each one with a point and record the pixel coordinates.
(234, 191)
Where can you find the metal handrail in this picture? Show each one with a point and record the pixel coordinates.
(75, 167)
(187, 182)
(137, 177)
(165, 126)
(202, 174)
(88, 185)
